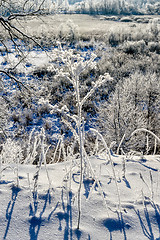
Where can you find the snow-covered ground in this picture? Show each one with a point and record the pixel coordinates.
(54, 214)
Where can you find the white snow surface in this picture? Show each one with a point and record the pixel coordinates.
(102, 218)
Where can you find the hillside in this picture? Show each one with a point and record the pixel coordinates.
(52, 214)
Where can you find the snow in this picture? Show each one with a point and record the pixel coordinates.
(56, 211)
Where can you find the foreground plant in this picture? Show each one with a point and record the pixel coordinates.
(75, 65)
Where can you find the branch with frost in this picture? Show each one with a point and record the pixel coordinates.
(157, 139)
(42, 160)
(146, 130)
(55, 152)
(32, 147)
(81, 65)
(63, 110)
(102, 79)
(13, 32)
(120, 144)
(76, 64)
(68, 124)
(24, 12)
(14, 79)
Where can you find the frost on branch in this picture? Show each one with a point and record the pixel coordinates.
(102, 79)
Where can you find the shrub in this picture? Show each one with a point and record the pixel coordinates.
(138, 47)
(154, 47)
(126, 19)
(140, 94)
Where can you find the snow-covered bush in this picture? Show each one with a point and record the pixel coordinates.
(154, 47)
(68, 31)
(154, 28)
(11, 152)
(134, 47)
(4, 115)
(140, 94)
(126, 19)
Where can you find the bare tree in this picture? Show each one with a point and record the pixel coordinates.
(12, 12)
(12, 40)
(133, 105)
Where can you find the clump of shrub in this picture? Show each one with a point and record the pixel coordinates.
(110, 18)
(154, 47)
(126, 19)
(131, 47)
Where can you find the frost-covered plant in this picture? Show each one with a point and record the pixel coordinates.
(154, 28)
(154, 47)
(4, 114)
(68, 31)
(11, 153)
(157, 139)
(140, 94)
(31, 148)
(42, 160)
(75, 65)
(137, 47)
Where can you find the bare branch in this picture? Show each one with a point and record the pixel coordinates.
(14, 79)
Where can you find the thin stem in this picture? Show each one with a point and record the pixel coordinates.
(81, 148)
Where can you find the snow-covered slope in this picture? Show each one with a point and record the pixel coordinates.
(54, 215)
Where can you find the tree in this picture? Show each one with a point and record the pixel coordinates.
(12, 40)
(133, 105)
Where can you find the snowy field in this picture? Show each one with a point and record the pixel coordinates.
(52, 214)
(100, 73)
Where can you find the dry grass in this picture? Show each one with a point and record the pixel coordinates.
(87, 26)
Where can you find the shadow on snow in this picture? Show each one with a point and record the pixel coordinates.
(10, 208)
(116, 224)
(146, 224)
(37, 222)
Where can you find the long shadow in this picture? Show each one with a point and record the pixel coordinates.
(50, 215)
(157, 214)
(5, 182)
(142, 162)
(10, 208)
(68, 229)
(37, 222)
(66, 215)
(126, 182)
(147, 231)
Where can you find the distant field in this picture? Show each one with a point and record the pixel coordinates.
(85, 26)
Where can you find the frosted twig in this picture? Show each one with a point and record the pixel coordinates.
(45, 163)
(147, 144)
(155, 146)
(141, 177)
(55, 152)
(102, 79)
(68, 124)
(148, 131)
(120, 144)
(31, 196)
